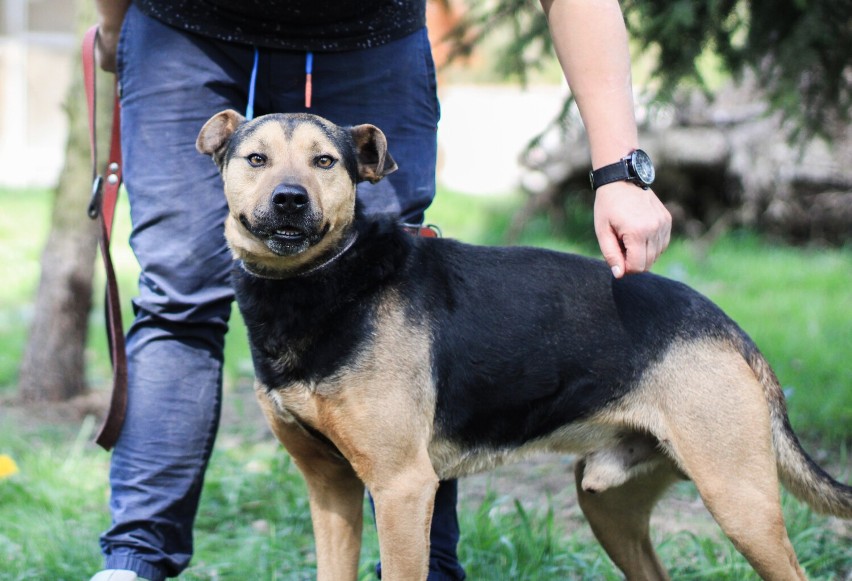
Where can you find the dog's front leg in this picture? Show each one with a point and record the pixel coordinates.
(404, 501)
(336, 497)
(337, 504)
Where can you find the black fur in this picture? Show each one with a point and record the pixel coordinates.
(322, 318)
(586, 338)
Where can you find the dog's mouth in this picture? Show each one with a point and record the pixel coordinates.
(284, 239)
(289, 234)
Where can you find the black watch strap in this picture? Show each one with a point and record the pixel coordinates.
(614, 172)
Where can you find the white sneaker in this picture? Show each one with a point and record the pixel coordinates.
(116, 575)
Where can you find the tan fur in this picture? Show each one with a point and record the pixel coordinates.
(289, 159)
(336, 494)
(452, 460)
(634, 455)
(621, 472)
(709, 412)
(379, 415)
(373, 157)
(701, 411)
(216, 131)
(808, 483)
(620, 517)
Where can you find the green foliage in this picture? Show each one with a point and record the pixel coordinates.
(679, 32)
(798, 50)
(527, 46)
(254, 516)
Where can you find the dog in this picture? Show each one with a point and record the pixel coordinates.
(393, 361)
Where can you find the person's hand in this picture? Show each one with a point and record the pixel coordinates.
(106, 48)
(632, 225)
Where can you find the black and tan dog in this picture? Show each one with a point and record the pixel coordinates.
(393, 361)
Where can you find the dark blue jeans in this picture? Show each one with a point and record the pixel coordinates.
(172, 82)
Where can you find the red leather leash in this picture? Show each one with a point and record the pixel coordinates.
(102, 208)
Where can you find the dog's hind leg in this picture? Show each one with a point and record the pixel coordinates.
(718, 432)
(619, 517)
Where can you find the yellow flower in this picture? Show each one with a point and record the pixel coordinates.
(7, 466)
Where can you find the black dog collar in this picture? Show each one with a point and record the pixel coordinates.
(269, 274)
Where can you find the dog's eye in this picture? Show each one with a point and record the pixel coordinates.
(256, 159)
(324, 161)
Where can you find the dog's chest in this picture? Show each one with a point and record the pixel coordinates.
(296, 402)
(297, 339)
(386, 381)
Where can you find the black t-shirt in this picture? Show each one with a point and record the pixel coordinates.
(315, 25)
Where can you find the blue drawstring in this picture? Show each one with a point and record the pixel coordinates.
(252, 82)
(309, 69)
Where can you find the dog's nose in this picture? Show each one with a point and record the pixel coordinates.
(290, 197)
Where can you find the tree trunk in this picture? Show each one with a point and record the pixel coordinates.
(53, 365)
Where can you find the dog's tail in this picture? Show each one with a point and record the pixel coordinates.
(797, 471)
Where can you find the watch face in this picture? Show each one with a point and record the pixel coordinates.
(643, 166)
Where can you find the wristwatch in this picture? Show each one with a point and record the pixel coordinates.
(636, 168)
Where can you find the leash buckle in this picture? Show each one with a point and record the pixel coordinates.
(95, 201)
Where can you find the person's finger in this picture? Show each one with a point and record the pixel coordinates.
(636, 254)
(663, 237)
(612, 251)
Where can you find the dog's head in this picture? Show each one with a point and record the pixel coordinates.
(290, 182)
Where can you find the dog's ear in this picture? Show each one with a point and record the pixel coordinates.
(374, 161)
(216, 133)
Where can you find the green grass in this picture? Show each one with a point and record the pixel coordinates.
(52, 510)
(253, 521)
(24, 215)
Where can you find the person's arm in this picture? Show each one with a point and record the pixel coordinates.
(110, 16)
(632, 225)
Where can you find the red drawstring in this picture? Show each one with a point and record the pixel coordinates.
(309, 69)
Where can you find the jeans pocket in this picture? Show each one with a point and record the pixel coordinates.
(431, 74)
(121, 51)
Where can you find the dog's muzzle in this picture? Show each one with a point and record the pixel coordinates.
(287, 224)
